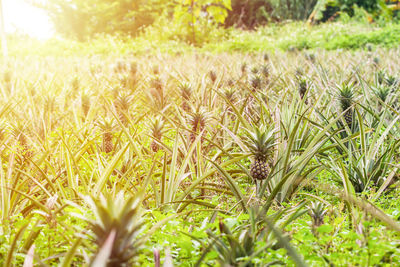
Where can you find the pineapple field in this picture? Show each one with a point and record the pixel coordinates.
(201, 159)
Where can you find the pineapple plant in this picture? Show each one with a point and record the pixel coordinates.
(123, 217)
(107, 127)
(75, 84)
(256, 82)
(346, 99)
(260, 142)
(122, 104)
(133, 68)
(19, 133)
(198, 122)
(254, 70)
(391, 81)
(317, 213)
(380, 77)
(7, 77)
(85, 104)
(213, 76)
(302, 88)
(230, 97)
(120, 67)
(157, 128)
(265, 71)
(186, 93)
(243, 68)
(376, 62)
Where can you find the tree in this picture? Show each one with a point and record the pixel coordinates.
(82, 19)
(191, 13)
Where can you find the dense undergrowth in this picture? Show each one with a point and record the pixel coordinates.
(164, 38)
(287, 158)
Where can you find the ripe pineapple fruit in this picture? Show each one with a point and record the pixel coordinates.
(107, 126)
(260, 142)
(122, 218)
(157, 128)
(346, 99)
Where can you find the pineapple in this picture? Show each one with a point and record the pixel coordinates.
(156, 70)
(346, 99)
(156, 132)
(122, 218)
(382, 93)
(254, 70)
(265, 71)
(198, 121)
(317, 213)
(243, 68)
(107, 127)
(260, 142)
(186, 93)
(7, 77)
(120, 67)
(85, 104)
(303, 87)
(213, 76)
(376, 62)
(133, 68)
(391, 81)
(20, 136)
(380, 76)
(75, 84)
(231, 99)
(122, 104)
(256, 82)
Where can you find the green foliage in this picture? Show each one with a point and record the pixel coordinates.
(193, 16)
(252, 13)
(83, 19)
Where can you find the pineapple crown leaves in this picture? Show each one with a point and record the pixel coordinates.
(346, 95)
(199, 118)
(256, 81)
(316, 210)
(186, 90)
(123, 215)
(157, 127)
(106, 124)
(303, 85)
(229, 95)
(382, 92)
(260, 141)
(123, 102)
(231, 247)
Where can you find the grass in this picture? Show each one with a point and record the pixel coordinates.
(194, 195)
(274, 37)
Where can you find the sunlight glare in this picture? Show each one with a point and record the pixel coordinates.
(20, 16)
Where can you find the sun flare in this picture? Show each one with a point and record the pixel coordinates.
(22, 17)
